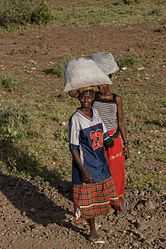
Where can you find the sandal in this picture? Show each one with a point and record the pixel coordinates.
(96, 240)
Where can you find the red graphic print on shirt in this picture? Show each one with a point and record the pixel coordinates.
(97, 139)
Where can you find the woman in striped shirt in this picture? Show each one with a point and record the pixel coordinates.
(110, 109)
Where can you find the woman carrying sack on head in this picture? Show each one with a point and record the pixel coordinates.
(110, 109)
(93, 188)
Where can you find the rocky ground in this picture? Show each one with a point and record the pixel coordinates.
(33, 216)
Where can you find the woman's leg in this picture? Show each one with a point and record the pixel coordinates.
(93, 233)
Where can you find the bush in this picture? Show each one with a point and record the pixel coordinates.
(8, 82)
(130, 1)
(41, 14)
(58, 68)
(23, 11)
(12, 123)
(128, 61)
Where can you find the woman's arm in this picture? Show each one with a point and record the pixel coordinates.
(74, 93)
(74, 131)
(84, 173)
(121, 124)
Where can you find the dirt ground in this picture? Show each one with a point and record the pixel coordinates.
(36, 216)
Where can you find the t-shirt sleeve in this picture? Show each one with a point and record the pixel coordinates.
(74, 131)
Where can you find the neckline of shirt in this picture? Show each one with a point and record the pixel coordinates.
(85, 116)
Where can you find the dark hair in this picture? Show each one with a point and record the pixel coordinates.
(82, 93)
(110, 76)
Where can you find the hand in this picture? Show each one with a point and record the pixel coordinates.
(86, 177)
(73, 93)
(126, 151)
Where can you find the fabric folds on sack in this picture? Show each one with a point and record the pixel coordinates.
(105, 61)
(83, 72)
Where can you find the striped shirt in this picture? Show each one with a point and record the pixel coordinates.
(108, 113)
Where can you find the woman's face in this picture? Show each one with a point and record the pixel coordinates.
(86, 99)
(104, 89)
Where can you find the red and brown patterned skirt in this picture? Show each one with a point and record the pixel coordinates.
(91, 200)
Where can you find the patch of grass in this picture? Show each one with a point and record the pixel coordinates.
(145, 181)
(127, 61)
(130, 1)
(153, 12)
(109, 12)
(159, 123)
(21, 162)
(41, 14)
(58, 68)
(161, 157)
(142, 178)
(61, 135)
(12, 124)
(8, 82)
(163, 102)
(81, 13)
(22, 12)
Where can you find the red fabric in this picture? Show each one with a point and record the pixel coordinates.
(93, 199)
(116, 162)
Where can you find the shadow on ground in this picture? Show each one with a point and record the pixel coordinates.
(16, 160)
(25, 195)
(34, 204)
(30, 201)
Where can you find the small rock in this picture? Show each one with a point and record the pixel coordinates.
(150, 205)
(140, 68)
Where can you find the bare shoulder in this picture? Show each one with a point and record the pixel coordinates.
(118, 99)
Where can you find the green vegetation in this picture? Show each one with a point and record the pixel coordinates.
(117, 12)
(24, 11)
(81, 12)
(8, 82)
(58, 68)
(128, 60)
(163, 102)
(12, 124)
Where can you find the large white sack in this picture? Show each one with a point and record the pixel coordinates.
(83, 72)
(105, 61)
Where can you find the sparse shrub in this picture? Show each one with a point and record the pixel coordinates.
(156, 122)
(61, 135)
(41, 14)
(58, 68)
(8, 82)
(127, 61)
(12, 123)
(23, 11)
(130, 1)
(163, 102)
(154, 12)
(127, 2)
